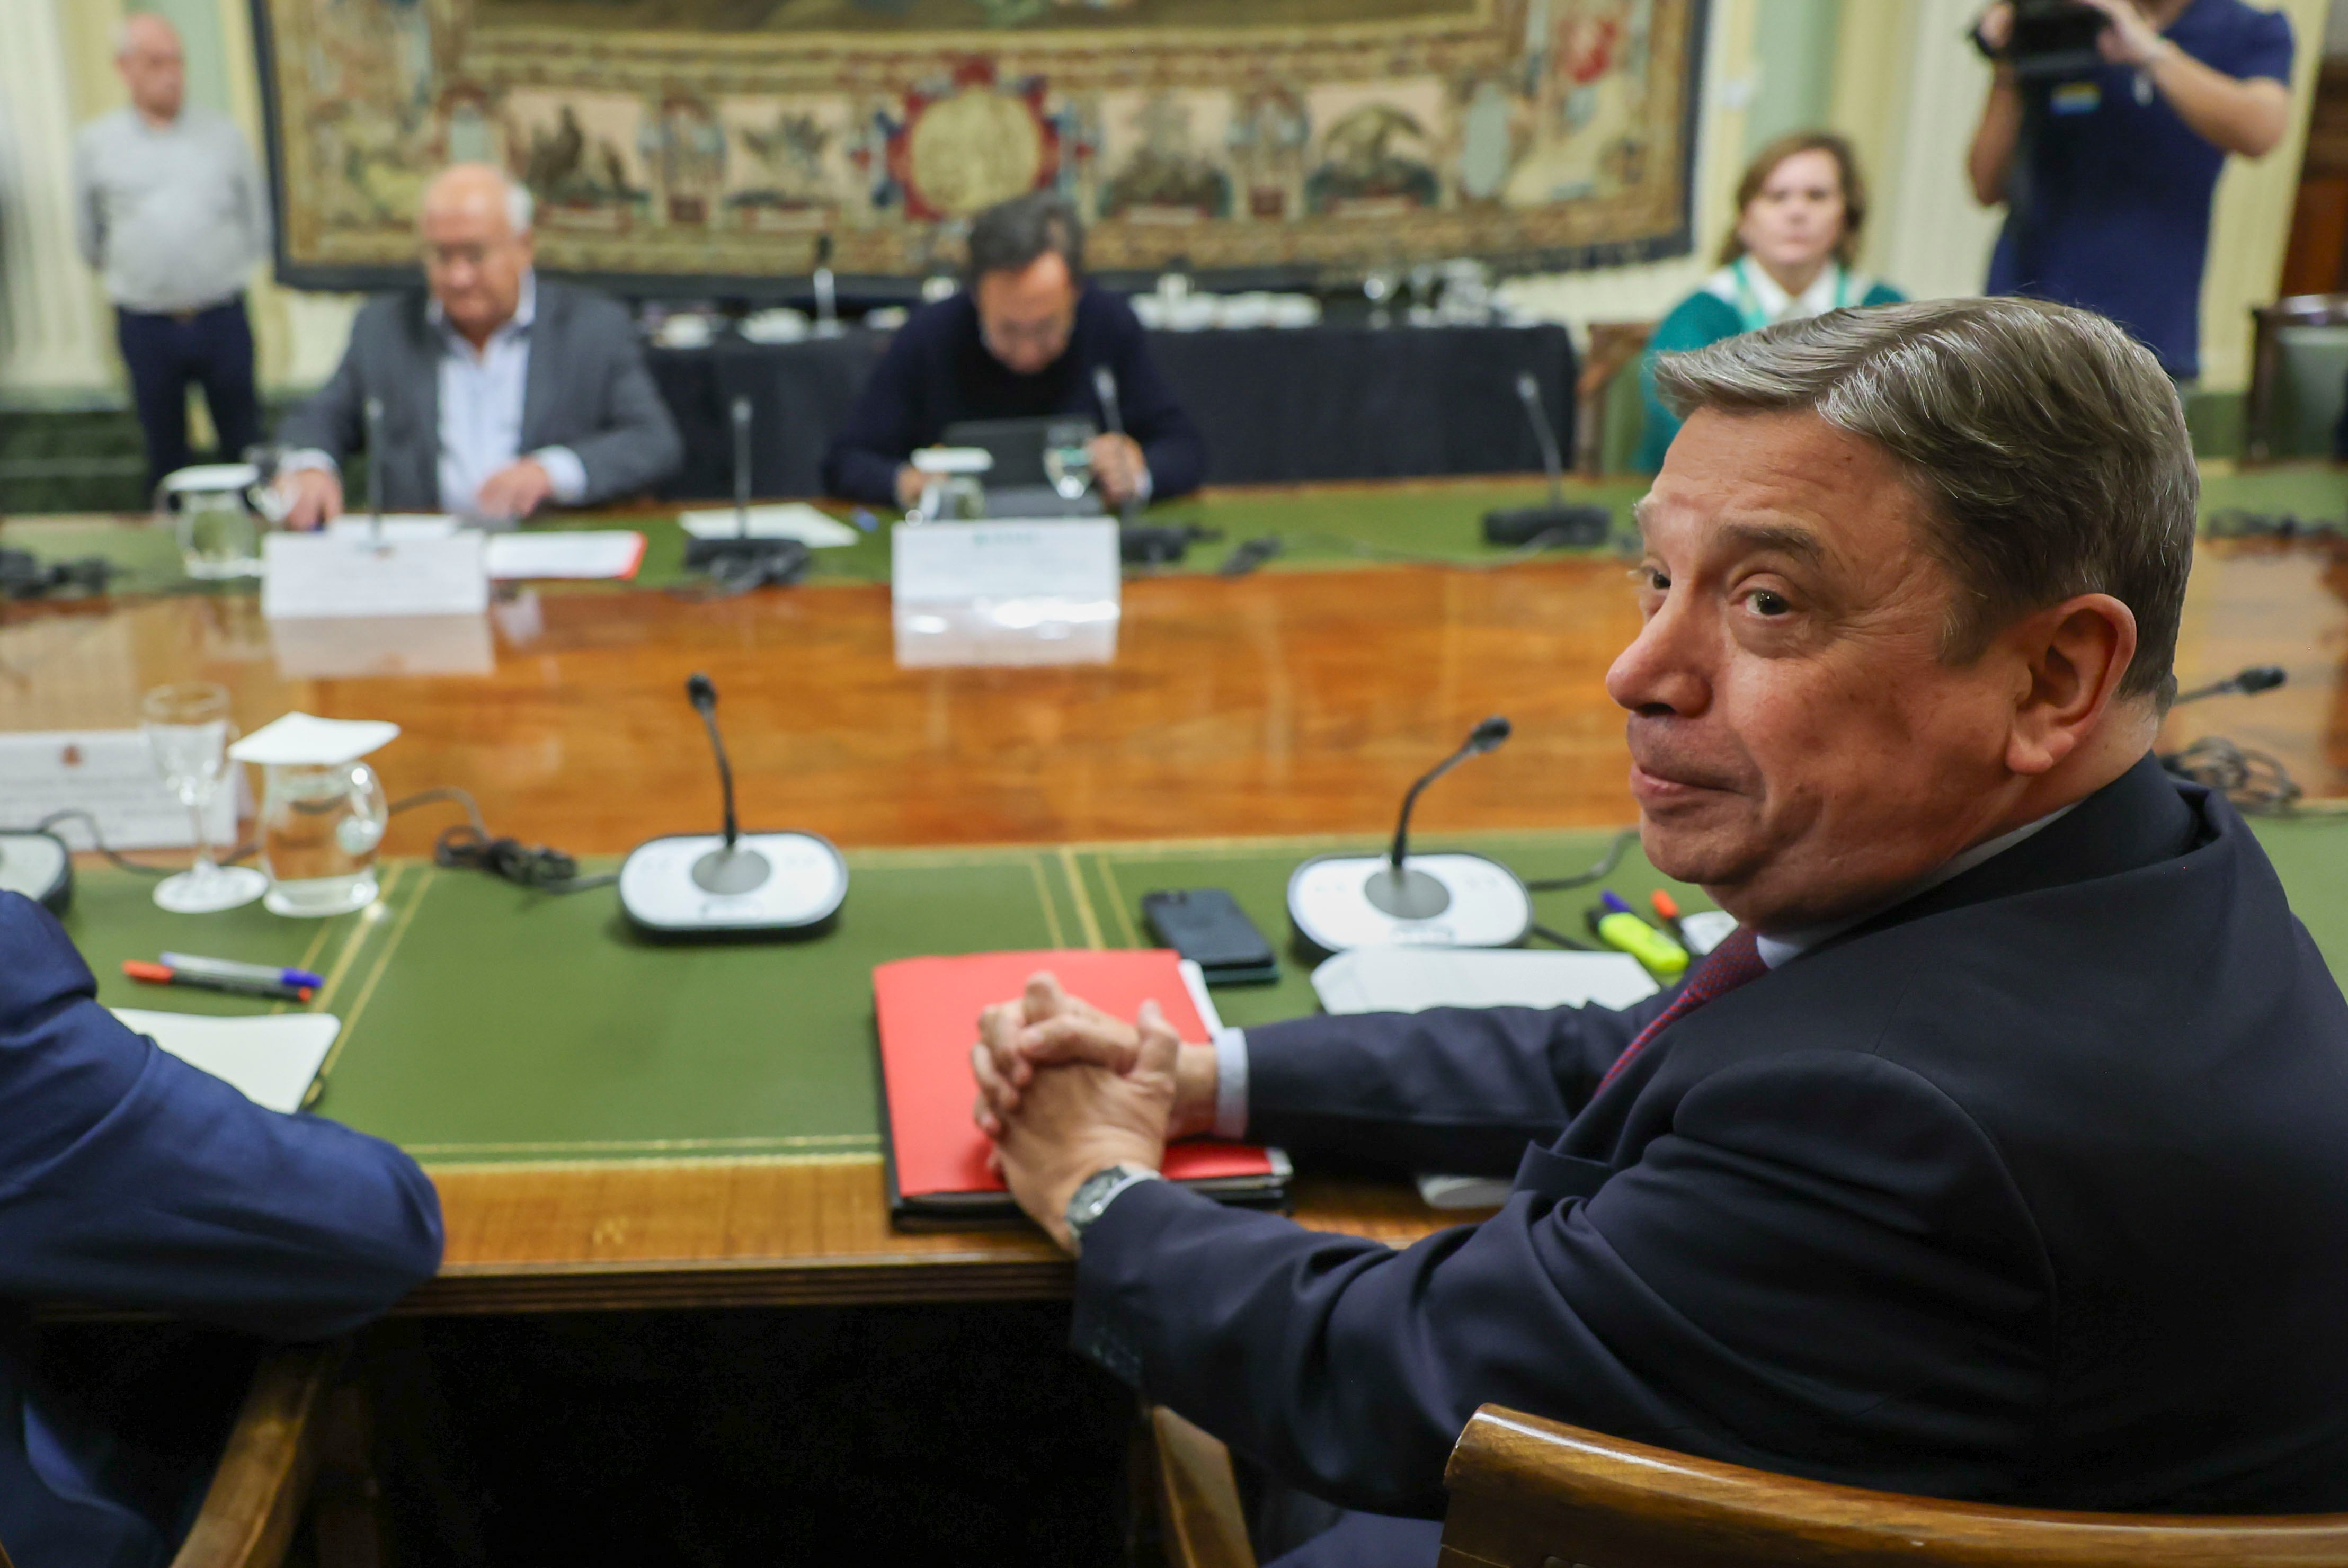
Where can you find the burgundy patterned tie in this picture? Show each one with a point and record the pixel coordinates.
(1736, 960)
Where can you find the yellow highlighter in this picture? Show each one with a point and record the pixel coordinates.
(1619, 927)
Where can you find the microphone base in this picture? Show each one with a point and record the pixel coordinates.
(1565, 525)
(691, 884)
(768, 559)
(1336, 902)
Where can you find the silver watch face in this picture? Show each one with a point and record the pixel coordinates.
(1086, 1205)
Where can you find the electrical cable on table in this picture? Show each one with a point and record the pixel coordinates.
(469, 846)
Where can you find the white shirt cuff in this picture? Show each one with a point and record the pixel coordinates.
(1230, 1083)
(567, 472)
(1145, 487)
(303, 458)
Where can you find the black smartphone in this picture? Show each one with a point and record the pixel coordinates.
(1206, 926)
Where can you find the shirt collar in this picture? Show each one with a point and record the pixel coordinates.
(1788, 946)
(525, 313)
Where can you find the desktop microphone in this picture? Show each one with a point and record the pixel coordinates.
(732, 883)
(2248, 683)
(1555, 523)
(1104, 388)
(1448, 900)
(1398, 889)
(739, 561)
(373, 412)
(827, 291)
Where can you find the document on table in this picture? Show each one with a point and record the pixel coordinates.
(596, 553)
(1411, 979)
(786, 519)
(110, 774)
(272, 1059)
(340, 572)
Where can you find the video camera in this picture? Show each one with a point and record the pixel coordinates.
(2053, 38)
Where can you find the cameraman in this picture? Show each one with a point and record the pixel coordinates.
(2107, 169)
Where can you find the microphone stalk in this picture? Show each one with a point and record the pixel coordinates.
(1393, 887)
(703, 694)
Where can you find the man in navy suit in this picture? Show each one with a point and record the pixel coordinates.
(1997, 1155)
(129, 1178)
(1021, 341)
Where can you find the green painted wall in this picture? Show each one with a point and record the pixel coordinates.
(199, 22)
(1794, 59)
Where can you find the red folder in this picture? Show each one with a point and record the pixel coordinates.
(927, 1010)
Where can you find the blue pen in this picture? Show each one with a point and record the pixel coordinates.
(1613, 901)
(230, 969)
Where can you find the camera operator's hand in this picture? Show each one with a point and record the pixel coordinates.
(2128, 39)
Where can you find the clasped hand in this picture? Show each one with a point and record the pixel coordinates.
(1066, 1089)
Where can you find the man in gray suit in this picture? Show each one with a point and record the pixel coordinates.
(501, 392)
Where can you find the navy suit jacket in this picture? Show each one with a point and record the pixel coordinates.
(2033, 1191)
(938, 372)
(129, 1178)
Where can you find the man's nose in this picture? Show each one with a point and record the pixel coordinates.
(1663, 669)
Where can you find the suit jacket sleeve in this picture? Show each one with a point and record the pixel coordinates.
(130, 1178)
(882, 427)
(331, 419)
(1170, 443)
(1452, 1088)
(630, 443)
(1821, 1264)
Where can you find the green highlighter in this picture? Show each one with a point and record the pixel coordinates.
(1616, 924)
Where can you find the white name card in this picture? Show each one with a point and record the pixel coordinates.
(110, 774)
(961, 561)
(343, 573)
(1005, 592)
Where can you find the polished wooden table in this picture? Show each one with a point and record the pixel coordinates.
(1286, 703)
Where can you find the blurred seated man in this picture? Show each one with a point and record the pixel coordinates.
(503, 392)
(1995, 1155)
(131, 1180)
(1020, 341)
(2107, 169)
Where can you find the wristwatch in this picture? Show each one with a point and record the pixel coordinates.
(1096, 1191)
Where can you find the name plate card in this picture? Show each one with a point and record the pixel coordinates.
(1005, 591)
(110, 774)
(346, 573)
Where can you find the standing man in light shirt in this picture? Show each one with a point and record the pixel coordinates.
(170, 207)
(501, 392)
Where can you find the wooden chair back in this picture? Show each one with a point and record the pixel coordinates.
(1198, 1513)
(255, 1500)
(1606, 420)
(1531, 1493)
(2283, 414)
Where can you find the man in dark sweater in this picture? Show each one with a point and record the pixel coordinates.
(1021, 341)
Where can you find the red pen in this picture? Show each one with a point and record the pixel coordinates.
(164, 974)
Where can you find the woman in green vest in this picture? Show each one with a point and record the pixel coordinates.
(1799, 211)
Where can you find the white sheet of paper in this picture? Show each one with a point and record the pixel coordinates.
(300, 737)
(587, 555)
(110, 774)
(343, 573)
(271, 1058)
(1411, 979)
(786, 520)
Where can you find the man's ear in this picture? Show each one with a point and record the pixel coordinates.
(2074, 656)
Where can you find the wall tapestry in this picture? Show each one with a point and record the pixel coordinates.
(714, 139)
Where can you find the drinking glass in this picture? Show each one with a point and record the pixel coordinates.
(1069, 466)
(320, 825)
(188, 728)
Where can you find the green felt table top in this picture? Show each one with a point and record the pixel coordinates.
(1319, 527)
(484, 1024)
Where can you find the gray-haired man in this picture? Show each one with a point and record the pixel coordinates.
(1994, 1156)
(501, 392)
(169, 206)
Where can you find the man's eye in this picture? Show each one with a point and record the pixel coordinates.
(1765, 603)
(1651, 579)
